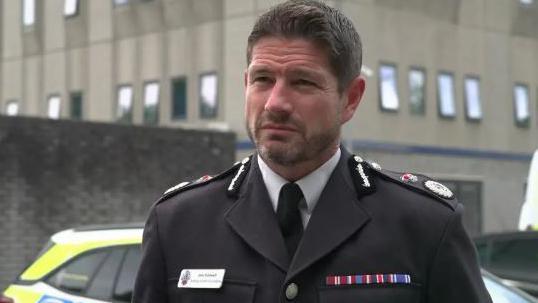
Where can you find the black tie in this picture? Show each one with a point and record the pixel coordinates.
(289, 217)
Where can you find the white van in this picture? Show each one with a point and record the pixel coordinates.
(528, 219)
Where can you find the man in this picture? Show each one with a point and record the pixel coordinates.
(303, 220)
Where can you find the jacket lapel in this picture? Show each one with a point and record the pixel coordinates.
(253, 219)
(337, 216)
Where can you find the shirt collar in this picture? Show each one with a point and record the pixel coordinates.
(311, 185)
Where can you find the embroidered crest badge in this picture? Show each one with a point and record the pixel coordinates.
(184, 279)
(439, 189)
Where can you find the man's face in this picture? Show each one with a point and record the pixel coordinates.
(293, 108)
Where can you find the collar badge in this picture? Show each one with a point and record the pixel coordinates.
(409, 178)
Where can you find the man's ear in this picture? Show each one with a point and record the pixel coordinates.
(245, 77)
(352, 96)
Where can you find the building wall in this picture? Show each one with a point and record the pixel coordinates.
(63, 174)
(104, 46)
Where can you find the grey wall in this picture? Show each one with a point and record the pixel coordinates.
(61, 174)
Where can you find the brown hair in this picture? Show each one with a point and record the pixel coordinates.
(319, 23)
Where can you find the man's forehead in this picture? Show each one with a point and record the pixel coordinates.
(292, 69)
(285, 45)
(288, 51)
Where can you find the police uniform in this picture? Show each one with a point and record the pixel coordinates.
(374, 236)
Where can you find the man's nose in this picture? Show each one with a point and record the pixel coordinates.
(279, 99)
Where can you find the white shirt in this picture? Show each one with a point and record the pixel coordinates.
(311, 185)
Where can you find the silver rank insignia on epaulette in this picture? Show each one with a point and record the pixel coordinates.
(360, 173)
(234, 185)
(375, 165)
(176, 187)
(439, 189)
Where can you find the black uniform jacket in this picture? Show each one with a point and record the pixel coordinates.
(367, 222)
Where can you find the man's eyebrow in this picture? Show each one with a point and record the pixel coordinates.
(259, 69)
(306, 72)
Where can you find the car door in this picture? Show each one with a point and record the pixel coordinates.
(96, 276)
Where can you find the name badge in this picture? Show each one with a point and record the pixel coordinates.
(201, 278)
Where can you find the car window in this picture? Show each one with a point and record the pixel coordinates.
(502, 294)
(75, 276)
(124, 286)
(516, 258)
(482, 250)
(103, 282)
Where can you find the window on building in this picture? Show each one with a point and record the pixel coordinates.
(208, 95)
(417, 91)
(76, 105)
(71, 8)
(469, 193)
(125, 104)
(151, 103)
(121, 2)
(521, 105)
(12, 108)
(28, 12)
(473, 104)
(388, 91)
(179, 98)
(445, 95)
(54, 107)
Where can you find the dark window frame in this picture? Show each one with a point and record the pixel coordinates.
(77, 10)
(200, 101)
(117, 118)
(172, 86)
(439, 101)
(12, 101)
(80, 94)
(458, 193)
(466, 101)
(52, 95)
(521, 124)
(424, 89)
(115, 4)
(382, 108)
(157, 108)
(31, 25)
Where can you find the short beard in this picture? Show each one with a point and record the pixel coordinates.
(297, 153)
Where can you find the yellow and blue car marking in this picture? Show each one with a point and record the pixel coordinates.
(66, 245)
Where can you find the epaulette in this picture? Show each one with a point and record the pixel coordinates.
(183, 186)
(416, 182)
(361, 175)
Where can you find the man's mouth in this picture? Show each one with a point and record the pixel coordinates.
(278, 127)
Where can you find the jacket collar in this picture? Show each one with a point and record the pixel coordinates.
(337, 216)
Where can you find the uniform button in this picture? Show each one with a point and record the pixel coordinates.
(292, 291)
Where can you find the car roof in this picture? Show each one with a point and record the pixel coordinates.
(130, 225)
(70, 243)
(105, 234)
(507, 236)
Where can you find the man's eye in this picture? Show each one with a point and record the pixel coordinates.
(305, 82)
(261, 79)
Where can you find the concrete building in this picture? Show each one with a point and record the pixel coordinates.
(452, 84)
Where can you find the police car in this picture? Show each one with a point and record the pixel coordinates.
(99, 264)
(83, 265)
